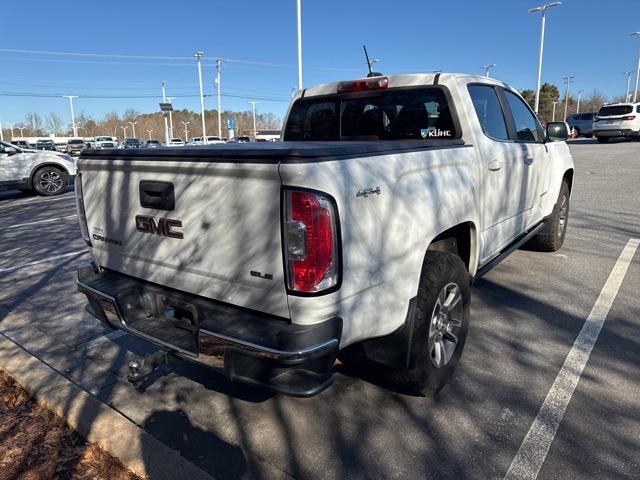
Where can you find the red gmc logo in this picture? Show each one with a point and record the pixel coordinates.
(164, 226)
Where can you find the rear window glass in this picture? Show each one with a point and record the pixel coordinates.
(615, 110)
(418, 114)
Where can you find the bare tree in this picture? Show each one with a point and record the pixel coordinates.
(34, 122)
(53, 123)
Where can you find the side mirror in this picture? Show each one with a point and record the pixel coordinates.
(557, 131)
(10, 151)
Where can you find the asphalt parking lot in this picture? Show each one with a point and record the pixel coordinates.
(526, 315)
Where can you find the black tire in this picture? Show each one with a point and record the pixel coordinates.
(49, 181)
(441, 272)
(552, 235)
(603, 139)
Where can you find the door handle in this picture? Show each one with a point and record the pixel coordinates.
(528, 160)
(495, 165)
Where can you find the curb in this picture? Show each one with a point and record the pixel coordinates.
(97, 422)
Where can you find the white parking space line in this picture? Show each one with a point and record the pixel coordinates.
(30, 201)
(48, 220)
(535, 446)
(44, 260)
(12, 250)
(104, 338)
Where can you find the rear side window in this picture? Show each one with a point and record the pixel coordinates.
(586, 116)
(615, 110)
(525, 123)
(638, 109)
(489, 112)
(396, 114)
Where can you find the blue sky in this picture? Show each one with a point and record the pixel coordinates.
(585, 38)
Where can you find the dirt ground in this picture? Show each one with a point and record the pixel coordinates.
(36, 444)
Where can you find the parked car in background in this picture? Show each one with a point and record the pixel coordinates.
(45, 172)
(194, 141)
(582, 124)
(176, 142)
(151, 144)
(363, 229)
(104, 142)
(21, 143)
(131, 143)
(46, 145)
(214, 140)
(617, 120)
(243, 139)
(75, 146)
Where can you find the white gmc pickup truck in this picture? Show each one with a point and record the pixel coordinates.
(363, 228)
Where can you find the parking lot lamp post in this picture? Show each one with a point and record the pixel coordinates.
(1, 134)
(133, 126)
(487, 68)
(567, 79)
(299, 28)
(553, 115)
(253, 108)
(73, 119)
(124, 132)
(186, 131)
(166, 125)
(149, 133)
(21, 130)
(218, 79)
(578, 106)
(204, 132)
(542, 9)
(635, 92)
(171, 99)
(11, 127)
(628, 74)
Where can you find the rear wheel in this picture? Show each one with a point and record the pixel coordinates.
(49, 181)
(555, 228)
(440, 324)
(602, 139)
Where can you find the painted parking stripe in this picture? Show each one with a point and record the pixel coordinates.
(48, 220)
(29, 201)
(45, 260)
(103, 338)
(535, 446)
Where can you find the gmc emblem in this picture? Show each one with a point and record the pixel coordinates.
(164, 226)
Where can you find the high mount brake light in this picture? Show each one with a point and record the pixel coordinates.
(310, 241)
(363, 85)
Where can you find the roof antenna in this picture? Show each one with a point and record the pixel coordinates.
(369, 62)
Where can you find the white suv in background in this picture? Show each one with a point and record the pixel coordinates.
(617, 120)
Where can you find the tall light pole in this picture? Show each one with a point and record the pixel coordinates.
(543, 10)
(204, 132)
(628, 74)
(568, 80)
(299, 22)
(124, 132)
(11, 124)
(1, 133)
(635, 92)
(166, 125)
(149, 133)
(218, 80)
(171, 99)
(553, 115)
(133, 126)
(578, 105)
(21, 130)
(253, 108)
(73, 118)
(186, 132)
(487, 68)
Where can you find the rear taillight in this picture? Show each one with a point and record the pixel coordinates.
(310, 241)
(82, 218)
(629, 117)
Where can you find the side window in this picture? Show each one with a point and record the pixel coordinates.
(526, 124)
(485, 102)
(638, 109)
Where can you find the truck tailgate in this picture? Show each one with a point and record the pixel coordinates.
(229, 221)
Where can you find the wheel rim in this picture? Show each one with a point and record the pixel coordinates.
(50, 181)
(562, 217)
(445, 325)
